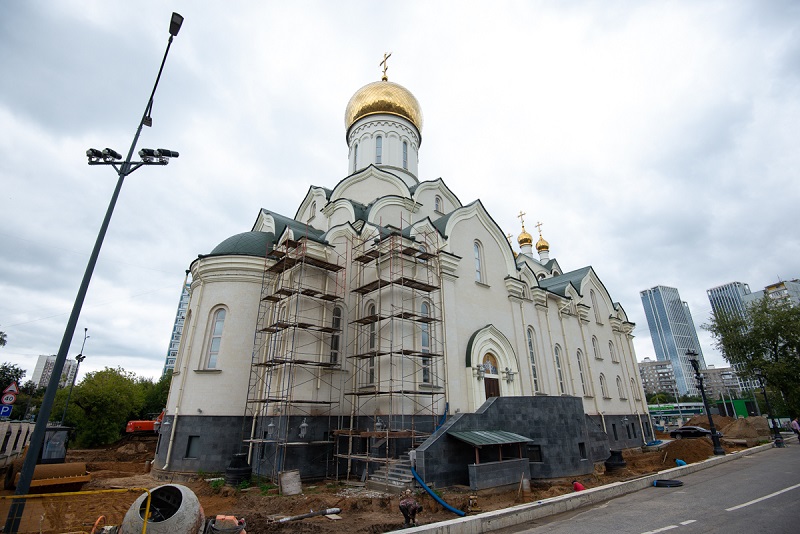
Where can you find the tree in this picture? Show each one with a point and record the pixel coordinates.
(765, 339)
(9, 373)
(101, 405)
(3, 339)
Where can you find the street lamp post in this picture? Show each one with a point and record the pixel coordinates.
(79, 358)
(770, 414)
(96, 157)
(692, 355)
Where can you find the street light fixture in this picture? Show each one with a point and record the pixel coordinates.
(79, 358)
(770, 414)
(111, 157)
(692, 356)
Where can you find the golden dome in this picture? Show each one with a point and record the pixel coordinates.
(383, 97)
(524, 238)
(542, 244)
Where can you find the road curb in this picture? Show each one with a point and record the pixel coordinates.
(524, 513)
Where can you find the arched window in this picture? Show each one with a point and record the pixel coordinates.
(378, 149)
(532, 356)
(594, 306)
(478, 253)
(372, 344)
(635, 390)
(216, 338)
(613, 352)
(405, 155)
(355, 157)
(336, 324)
(620, 389)
(425, 342)
(604, 387)
(596, 349)
(437, 203)
(580, 372)
(313, 211)
(559, 372)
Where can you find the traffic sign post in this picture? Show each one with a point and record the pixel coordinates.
(5, 410)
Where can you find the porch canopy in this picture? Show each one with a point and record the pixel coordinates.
(480, 438)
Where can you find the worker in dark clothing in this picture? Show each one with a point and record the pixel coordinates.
(409, 507)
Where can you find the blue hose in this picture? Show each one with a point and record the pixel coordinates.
(436, 497)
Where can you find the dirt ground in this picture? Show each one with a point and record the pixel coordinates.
(364, 511)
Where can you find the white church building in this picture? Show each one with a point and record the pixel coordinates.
(384, 316)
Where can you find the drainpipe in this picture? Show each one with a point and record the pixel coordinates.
(184, 372)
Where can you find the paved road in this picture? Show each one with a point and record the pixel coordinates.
(757, 493)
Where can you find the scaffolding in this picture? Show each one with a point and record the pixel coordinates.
(396, 385)
(294, 389)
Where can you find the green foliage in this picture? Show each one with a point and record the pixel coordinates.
(3, 339)
(266, 486)
(244, 484)
(766, 339)
(154, 394)
(102, 405)
(9, 373)
(216, 484)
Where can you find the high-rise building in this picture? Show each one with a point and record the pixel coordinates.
(657, 376)
(788, 290)
(177, 330)
(729, 298)
(673, 333)
(44, 369)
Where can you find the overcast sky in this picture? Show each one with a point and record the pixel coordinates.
(655, 141)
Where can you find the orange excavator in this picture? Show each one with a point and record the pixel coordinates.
(145, 427)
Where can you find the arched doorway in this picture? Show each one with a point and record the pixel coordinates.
(491, 378)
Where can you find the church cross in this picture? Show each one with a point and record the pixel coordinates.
(385, 65)
(539, 226)
(521, 215)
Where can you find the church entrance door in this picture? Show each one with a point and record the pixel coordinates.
(492, 386)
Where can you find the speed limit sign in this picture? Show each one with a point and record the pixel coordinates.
(9, 398)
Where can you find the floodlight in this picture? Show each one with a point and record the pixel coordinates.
(148, 153)
(167, 153)
(110, 153)
(93, 153)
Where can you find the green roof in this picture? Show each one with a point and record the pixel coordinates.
(479, 438)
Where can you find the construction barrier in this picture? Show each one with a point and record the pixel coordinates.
(77, 512)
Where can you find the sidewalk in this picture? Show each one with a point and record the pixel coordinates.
(524, 513)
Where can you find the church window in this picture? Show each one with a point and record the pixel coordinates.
(635, 390)
(478, 253)
(559, 372)
(604, 386)
(216, 338)
(378, 149)
(532, 356)
(336, 324)
(313, 211)
(594, 306)
(620, 389)
(372, 344)
(596, 349)
(405, 155)
(437, 204)
(355, 157)
(580, 372)
(425, 343)
(613, 352)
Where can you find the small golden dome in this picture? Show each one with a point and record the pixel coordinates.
(542, 244)
(383, 97)
(524, 238)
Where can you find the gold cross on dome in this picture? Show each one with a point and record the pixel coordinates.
(539, 226)
(385, 65)
(521, 215)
